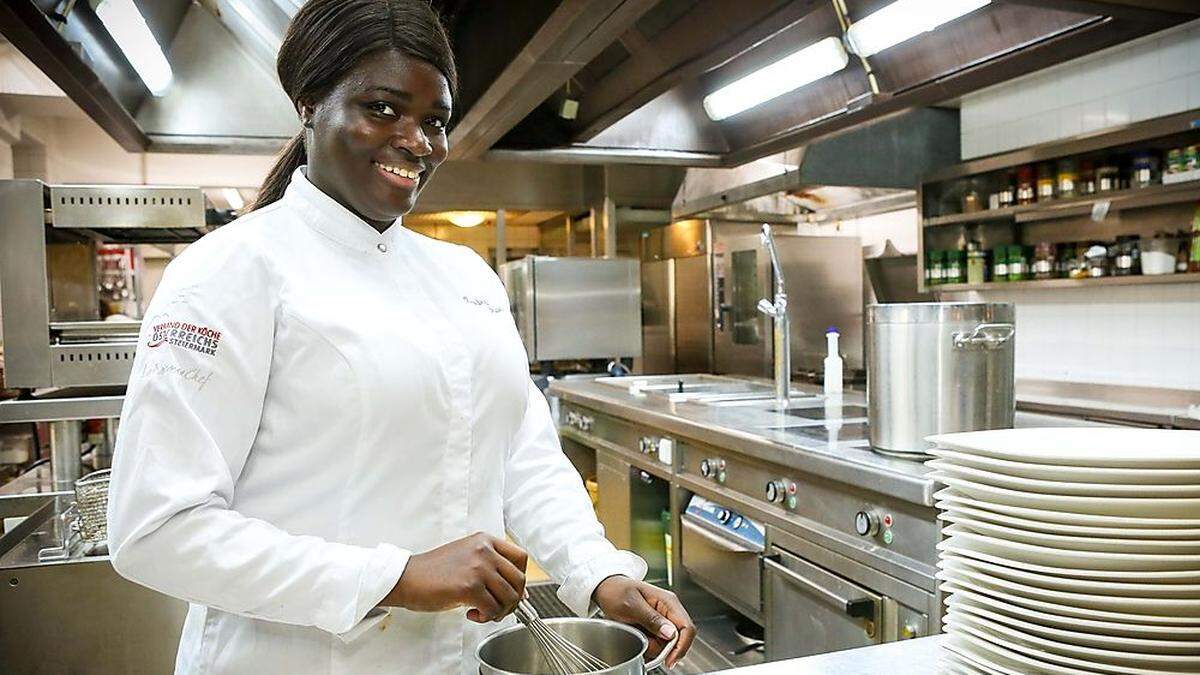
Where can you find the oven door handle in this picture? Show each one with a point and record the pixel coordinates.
(859, 608)
(727, 545)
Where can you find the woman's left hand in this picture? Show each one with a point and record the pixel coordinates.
(655, 610)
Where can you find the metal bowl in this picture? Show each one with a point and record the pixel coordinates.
(512, 651)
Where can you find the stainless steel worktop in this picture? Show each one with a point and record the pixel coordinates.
(758, 431)
(910, 657)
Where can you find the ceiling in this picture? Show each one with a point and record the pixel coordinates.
(637, 68)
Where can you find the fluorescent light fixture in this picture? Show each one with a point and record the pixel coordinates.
(903, 20)
(820, 59)
(234, 197)
(467, 218)
(126, 25)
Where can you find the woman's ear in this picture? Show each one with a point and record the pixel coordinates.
(306, 113)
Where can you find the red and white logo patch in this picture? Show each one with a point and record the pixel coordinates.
(200, 339)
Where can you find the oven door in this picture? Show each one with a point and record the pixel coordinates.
(722, 565)
(809, 610)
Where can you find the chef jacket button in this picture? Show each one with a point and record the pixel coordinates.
(382, 247)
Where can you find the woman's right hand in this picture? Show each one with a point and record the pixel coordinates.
(482, 572)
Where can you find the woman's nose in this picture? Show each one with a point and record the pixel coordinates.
(410, 137)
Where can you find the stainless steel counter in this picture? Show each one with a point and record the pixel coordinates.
(909, 657)
(758, 431)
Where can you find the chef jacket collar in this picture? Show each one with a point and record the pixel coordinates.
(324, 214)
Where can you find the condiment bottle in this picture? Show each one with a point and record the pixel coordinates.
(1068, 177)
(1044, 264)
(1026, 189)
(1018, 263)
(1045, 182)
(1087, 177)
(1000, 263)
(1108, 176)
(1145, 170)
(976, 263)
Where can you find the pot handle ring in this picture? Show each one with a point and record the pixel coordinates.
(985, 336)
(659, 660)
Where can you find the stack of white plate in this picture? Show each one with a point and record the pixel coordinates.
(1070, 551)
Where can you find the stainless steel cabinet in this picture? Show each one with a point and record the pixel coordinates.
(676, 316)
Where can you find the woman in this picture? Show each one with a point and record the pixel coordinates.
(330, 425)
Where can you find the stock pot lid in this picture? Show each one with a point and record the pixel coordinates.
(941, 312)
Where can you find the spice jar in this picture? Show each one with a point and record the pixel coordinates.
(1191, 157)
(970, 200)
(954, 272)
(1045, 266)
(1175, 161)
(1087, 177)
(976, 263)
(1079, 262)
(1097, 260)
(1127, 256)
(1062, 259)
(935, 268)
(1108, 176)
(1026, 189)
(1007, 195)
(1018, 263)
(1000, 263)
(1068, 177)
(1145, 170)
(1045, 182)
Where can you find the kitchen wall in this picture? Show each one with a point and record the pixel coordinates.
(1150, 77)
(1131, 335)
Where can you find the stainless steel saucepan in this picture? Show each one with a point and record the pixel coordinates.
(513, 651)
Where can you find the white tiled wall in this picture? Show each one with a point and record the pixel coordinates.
(1129, 335)
(1150, 77)
(1126, 335)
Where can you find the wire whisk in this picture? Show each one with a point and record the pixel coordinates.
(564, 656)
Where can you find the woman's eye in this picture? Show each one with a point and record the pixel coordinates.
(436, 122)
(382, 108)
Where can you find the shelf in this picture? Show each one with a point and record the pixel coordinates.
(1133, 198)
(1191, 277)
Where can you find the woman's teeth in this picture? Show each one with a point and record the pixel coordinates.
(411, 175)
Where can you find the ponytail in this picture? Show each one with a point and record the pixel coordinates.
(276, 182)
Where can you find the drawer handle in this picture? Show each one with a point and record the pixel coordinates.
(985, 336)
(858, 608)
(713, 538)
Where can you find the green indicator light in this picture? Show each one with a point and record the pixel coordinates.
(791, 502)
(887, 537)
(721, 477)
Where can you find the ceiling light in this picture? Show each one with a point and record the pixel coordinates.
(127, 27)
(234, 198)
(902, 20)
(467, 218)
(810, 64)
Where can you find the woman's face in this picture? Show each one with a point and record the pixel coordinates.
(375, 140)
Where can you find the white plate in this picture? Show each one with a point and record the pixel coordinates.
(1071, 585)
(979, 510)
(1056, 620)
(965, 648)
(950, 663)
(1057, 487)
(1083, 638)
(1107, 660)
(1167, 611)
(1076, 446)
(1167, 546)
(1072, 474)
(1167, 577)
(983, 646)
(1133, 507)
(1058, 557)
(1068, 517)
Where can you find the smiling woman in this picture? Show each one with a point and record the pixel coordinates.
(373, 83)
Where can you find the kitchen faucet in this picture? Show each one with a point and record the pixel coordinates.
(778, 311)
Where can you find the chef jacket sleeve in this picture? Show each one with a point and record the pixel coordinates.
(191, 413)
(548, 512)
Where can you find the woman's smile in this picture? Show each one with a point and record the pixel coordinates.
(398, 176)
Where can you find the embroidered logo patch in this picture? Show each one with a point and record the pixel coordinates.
(483, 302)
(200, 339)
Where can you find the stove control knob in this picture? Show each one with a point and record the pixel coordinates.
(866, 523)
(706, 468)
(737, 523)
(776, 491)
(723, 516)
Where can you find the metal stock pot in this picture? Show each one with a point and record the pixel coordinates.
(512, 651)
(938, 367)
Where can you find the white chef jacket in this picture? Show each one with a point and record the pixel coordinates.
(311, 402)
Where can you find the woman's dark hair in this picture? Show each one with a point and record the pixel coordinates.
(324, 41)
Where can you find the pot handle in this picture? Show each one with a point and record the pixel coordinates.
(659, 660)
(985, 336)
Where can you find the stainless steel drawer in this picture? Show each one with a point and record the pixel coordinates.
(727, 568)
(809, 610)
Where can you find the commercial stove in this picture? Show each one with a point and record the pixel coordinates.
(781, 515)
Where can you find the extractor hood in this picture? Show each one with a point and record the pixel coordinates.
(867, 170)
